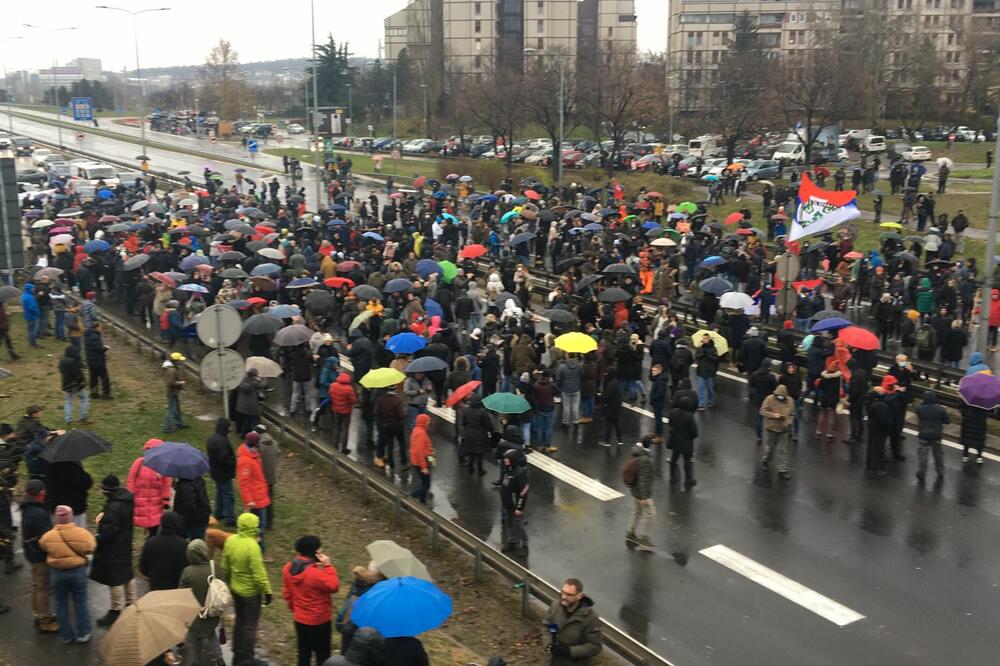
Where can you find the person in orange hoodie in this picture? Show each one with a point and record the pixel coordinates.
(252, 482)
(421, 456)
(308, 581)
(342, 400)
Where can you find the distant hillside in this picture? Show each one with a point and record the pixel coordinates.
(275, 66)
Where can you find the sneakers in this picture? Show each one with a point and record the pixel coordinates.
(379, 462)
(631, 537)
(108, 619)
(83, 639)
(603, 443)
(979, 460)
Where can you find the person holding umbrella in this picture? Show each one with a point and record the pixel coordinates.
(308, 580)
(707, 358)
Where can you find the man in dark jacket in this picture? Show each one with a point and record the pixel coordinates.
(513, 497)
(879, 426)
(572, 628)
(390, 417)
(708, 364)
(659, 393)
(247, 412)
(753, 351)
(762, 383)
(683, 433)
(222, 467)
(857, 389)
(112, 563)
(36, 521)
(366, 649)
(680, 363)
(477, 433)
(164, 555)
(643, 510)
(787, 342)
(191, 503)
(931, 418)
(73, 384)
(97, 360)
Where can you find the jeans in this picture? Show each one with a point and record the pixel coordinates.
(172, 419)
(802, 324)
(270, 507)
(570, 408)
(224, 502)
(526, 432)
(543, 428)
(71, 585)
(61, 325)
(33, 327)
(706, 391)
(587, 407)
(313, 639)
(202, 650)
(934, 447)
(642, 515)
(425, 485)
(262, 516)
(302, 391)
(387, 435)
(633, 389)
(412, 412)
(658, 419)
(68, 405)
(245, 628)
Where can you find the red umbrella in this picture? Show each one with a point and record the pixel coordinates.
(108, 219)
(60, 230)
(338, 282)
(347, 266)
(461, 393)
(745, 232)
(733, 218)
(396, 195)
(264, 229)
(533, 195)
(655, 195)
(642, 205)
(419, 181)
(165, 279)
(257, 300)
(859, 338)
(473, 251)
(853, 255)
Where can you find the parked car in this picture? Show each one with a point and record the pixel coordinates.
(35, 176)
(295, 128)
(540, 157)
(762, 169)
(916, 153)
(650, 162)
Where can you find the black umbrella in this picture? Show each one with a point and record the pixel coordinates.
(915, 239)
(366, 292)
(319, 300)
(938, 263)
(232, 255)
(505, 296)
(818, 245)
(135, 262)
(8, 292)
(908, 256)
(74, 446)
(618, 269)
(559, 316)
(614, 295)
(566, 264)
(522, 238)
(715, 285)
(826, 314)
(261, 324)
(234, 274)
(396, 285)
(253, 246)
(587, 280)
(426, 364)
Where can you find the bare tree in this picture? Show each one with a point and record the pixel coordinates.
(734, 111)
(492, 105)
(549, 77)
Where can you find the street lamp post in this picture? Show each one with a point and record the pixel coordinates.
(989, 265)
(55, 89)
(319, 173)
(427, 118)
(350, 106)
(138, 69)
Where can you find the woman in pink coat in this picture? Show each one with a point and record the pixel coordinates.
(151, 490)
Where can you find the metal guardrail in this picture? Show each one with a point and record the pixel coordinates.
(532, 586)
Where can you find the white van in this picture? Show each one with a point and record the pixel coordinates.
(94, 172)
(704, 146)
(875, 144)
(790, 152)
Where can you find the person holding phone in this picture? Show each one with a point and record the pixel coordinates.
(309, 580)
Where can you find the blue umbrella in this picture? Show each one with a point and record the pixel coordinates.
(266, 269)
(489, 198)
(677, 216)
(337, 208)
(193, 288)
(508, 216)
(405, 343)
(239, 304)
(440, 195)
(374, 236)
(176, 459)
(396, 285)
(426, 364)
(284, 311)
(608, 212)
(96, 246)
(831, 324)
(427, 266)
(299, 283)
(651, 225)
(593, 226)
(473, 198)
(710, 178)
(590, 217)
(404, 606)
(714, 260)
(335, 223)
(104, 195)
(433, 308)
(189, 262)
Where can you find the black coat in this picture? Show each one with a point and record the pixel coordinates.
(753, 351)
(660, 351)
(191, 502)
(71, 370)
(300, 362)
(35, 521)
(67, 483)
(787, 345)
(404, 651)
(611, 399)
(164, 555)
(659, 389)
(973, 432)
(221, 457)
(762, 384)
(93, 347)
(683, 430)
(708, 360)
(112, 563)
(477, 427)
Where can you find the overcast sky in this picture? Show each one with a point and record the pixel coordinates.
(184, 35)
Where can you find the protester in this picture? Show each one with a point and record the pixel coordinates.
(222, 468)
(35, 523)
(150, 489)
(639, 469)
(201, 644)
(931, 419)
(421, 457)
(309, 580)
(572, 627)
(172, 420)
(243, 567)
(778, 410)
(164, 555)
(66, 548)
(112, 563)
(253, 483)
(681, 439)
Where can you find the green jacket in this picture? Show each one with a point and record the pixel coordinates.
(195, 576)
(925, 297)
(643, 486)
(580, 630)
(242, 561)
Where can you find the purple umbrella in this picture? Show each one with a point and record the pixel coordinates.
(980, 390)
(831, 324)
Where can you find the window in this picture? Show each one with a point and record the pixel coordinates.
(791, 37)
(626, 18)
(772, 19)
(541, 6)
(479, 44)
(899, 4)
(540, 26)
(611, 31)
(478, 27)
(541, 44)
(477, 61)
(716, 38)
(477, 8)
(951, 39)
(694, 18)
(802, 37)
(937, 4)
(770, 40)
(720, 18)
(395, 32)
(715, 57)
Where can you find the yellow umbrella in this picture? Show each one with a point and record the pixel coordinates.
(576, 343)
(149, 627)
(382, 378)
(891, 225)
(721, 345)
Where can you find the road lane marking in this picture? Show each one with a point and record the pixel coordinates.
(795, 592)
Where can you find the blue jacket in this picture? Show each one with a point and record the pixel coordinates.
(30, 304)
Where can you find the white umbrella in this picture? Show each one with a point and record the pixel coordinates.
(271, 253)
(664, 242)
(266, 368)
(61, 239)
(41, 224)
(735, 300)
(187, 202)
(945, 161)
(138, 205)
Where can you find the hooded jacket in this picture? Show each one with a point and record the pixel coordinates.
(683, 427)
(195, 576)
(514, 482)
(68, 483)
(477, 427)
(164, 555)
(29, 304)
(191, 502)
(931, 418)
(643, 487)
(579, 630)
(35, 522)
(71, 370)
(976, 363)
(150, 489)
(569, 376)
(251, 479)
(925, 296)
(778, 410)
(112, 563)
(242, 561)
(221, 458)
(307, 586)
(420, 443)
(342, 395)
(248, 396)
(366, 649)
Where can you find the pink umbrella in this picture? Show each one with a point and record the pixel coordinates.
(61, 239)
(377, 158)
(396, 195)
(59, 230)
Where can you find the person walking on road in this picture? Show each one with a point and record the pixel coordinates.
(477, 433)
(243, 568)
(778, 410)
(569, 376)
(252, 482)
(931, 418)
(572, 628)
(73, 385)
(35, 522)
(308, 581)
(421, 455)
(342, 400)
(513, 497)
(708, 365)
(66, 548)
(659, 392)
(683, 433)
(638, 476)
(390, 417)
(880, 424)
(112, 563)
(611, 407)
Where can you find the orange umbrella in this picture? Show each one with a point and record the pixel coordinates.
(473, 251)
(736, 166)
(461, 393)
(419, 181)
(853, 255)
(533, 195)
(734, 218)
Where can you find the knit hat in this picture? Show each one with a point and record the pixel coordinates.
(307, 545)
(913, 315)
(889, 382)
(173, 305)
(788, 324)
(64, 515)
(252, 438)
(90, 295)
(110, 482)
(34, 488)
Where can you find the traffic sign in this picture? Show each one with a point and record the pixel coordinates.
(371, 128)
(394, 154)
(252, 146)
(219, 326)
(119, 109)
(80, 136)
(83, 108)
(222, 370)
(212, 139)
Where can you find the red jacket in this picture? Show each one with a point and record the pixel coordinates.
(342, 395)
(420, 442)
(995, 308)
(250, 476)
(151, 490)
(307, 587)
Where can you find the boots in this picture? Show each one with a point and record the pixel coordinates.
(109, 619)
(46, 625)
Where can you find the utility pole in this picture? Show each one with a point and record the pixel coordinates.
(316, 143)
(990, 264)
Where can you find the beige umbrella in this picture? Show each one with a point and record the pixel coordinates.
(149, 627)
(265, 367)
(394, 561)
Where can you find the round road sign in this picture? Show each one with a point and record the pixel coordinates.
(222, 370)
(80, 136)
(212, 139)
(219, 326)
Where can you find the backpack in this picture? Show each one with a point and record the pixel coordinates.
(630, 471)
(164, 321)
(925, 336)
(217, 598)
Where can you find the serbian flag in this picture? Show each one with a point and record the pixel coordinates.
(820, 210)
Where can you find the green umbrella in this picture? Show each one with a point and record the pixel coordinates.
(891, 235)
(673, 233)
(394, 561)
(119, 226)
(687, 207)
(215, 175)
(449, 270)
(506, 403)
